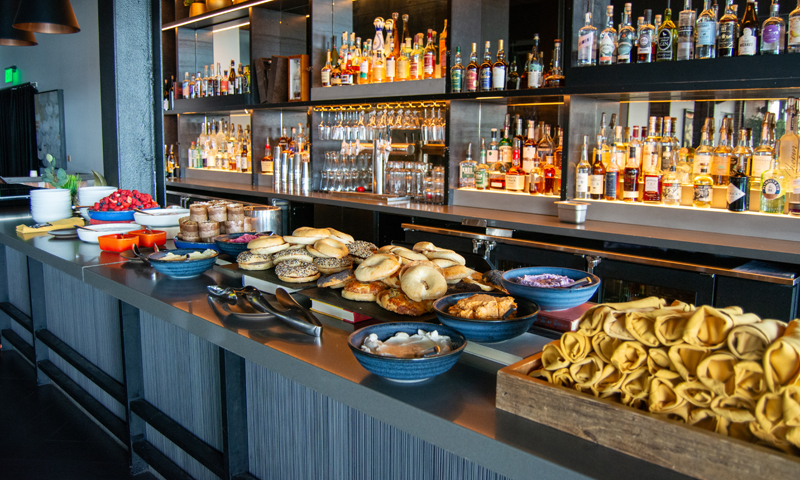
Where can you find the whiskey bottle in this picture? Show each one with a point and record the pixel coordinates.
(772, 32)
(556, 77)
(472, 71)
(533, 69)
(505, 145)
(762, 155)
(416, 59)
(597, 177)
(499, 68)
(232, 79)
(457, 74)
(514, 81)
(686, 21)
(515, 176)
(429, 58)
(630, 190)
(750, 31)
(391, 58)
(703, 188)
(651, 148)
(325, 73)
(608, 40)
(529, 159)
(404, 62)
(558, 155)
(706, 34)
(667, 38)
(646, 48)
(705, 151)
(482, 169)
(466, 170)
(672, 188)
(728, 32)
(552, 184)
(587, 43)
(721, 163)
(627, 37)
(738, 194)
(493, 153)
(485, 73)
(793, 43)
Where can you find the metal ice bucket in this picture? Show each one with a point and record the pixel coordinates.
(265, 218)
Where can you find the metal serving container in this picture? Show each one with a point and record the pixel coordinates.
(572, 212)
(265, 218)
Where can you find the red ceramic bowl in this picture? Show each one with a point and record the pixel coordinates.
(119, 242)
(148, 239)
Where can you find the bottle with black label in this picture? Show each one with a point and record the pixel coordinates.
(728, 32)
(750, 31)
(738, 198)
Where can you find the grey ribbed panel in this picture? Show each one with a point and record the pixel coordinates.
(88, 321)
(295, 432)
(17, 273)
(181, 378)
(186, 462)
(22, 332)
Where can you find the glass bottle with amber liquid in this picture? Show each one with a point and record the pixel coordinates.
(485, 72)
(703, 188)
(582, 171)
(597, 176)
(667, 43)
(630, 189)
(721, 163)
(671, 185)
(750, 31)
(500, 68)
(515, 177)
(727, 43)
(472, 73)
(457, 74)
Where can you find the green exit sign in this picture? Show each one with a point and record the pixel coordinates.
(10, 71)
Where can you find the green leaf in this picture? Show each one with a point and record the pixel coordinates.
(99, 180)
(61, 183)
(49, 158)
(61, 174)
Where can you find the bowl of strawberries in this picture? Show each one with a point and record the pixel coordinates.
(118, 207)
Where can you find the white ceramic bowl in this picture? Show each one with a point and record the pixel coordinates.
(50, 192)
(161, 217)
(92, 195)
(171, 231)
(107, 229)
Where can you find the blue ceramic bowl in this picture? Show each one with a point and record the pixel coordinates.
(194, 245)
(232, 249)
(181, 269)
(551, 298)
(121, 216)
(487, 331)
(406, 370)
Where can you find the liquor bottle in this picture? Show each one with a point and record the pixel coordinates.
(185, 86)
(505, 145)
(738, 195)
(750, 31)
(667, 148)
(657, 25)
(485, 73)
(515, 176)
(403, 62)
(391, 58)
(742, 156)
(793, 42)
(587, 43)
(608, 40)
(630, 190)
(627, 37)
(325, 74)
(545, 148)
(651, 149)
(457, 74)
(582, 172)
(232, 79)
(493, 153)
(499, 68)
(597, 176)
(171, 162)
(406, 32)
(646, 47)
(667, 47)
(703, 188)
(611, 181)
(529, 158)
(466, 170)
(558, 156)
(620, 159)
(378, 66)
(415, 60)
(224, 84)
(552, 180)
(165, 103)
(556, 77)
(721, 163)
(429, 58)
(763, 154)
(772, 32)
(705, 151)
(533, 69)
(473, 69)
(671, 186)
(728, 41)
(482, 169)
(365, 64)
(442, 58)
(686, 22)
(514, 81)
(789, 144)
(706, 34)
(773, 189)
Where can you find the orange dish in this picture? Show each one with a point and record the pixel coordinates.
(149, 238)
(119, 242)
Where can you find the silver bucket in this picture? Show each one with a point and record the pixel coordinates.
(265, 218)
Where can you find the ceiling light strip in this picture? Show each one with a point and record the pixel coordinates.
(206, 16)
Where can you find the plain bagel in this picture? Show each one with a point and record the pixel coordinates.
(362, 291)
(376, 267)
(331, 248)
(443, 262)
(407, 255)
(420, 262)
(422, 247)
(341, 236)
(423, 282)
(455, 273)
(266, 245)
(307, 235)
(446, 254)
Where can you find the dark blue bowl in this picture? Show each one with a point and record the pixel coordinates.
(121, 216)
(232, 249)
(487, 331)
(406, 370)
(181, 269)
(551, 298)
(194, 245)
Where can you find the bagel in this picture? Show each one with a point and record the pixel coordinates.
(423, 282)
(341, 236)
(385, 249)
(294, 253)
(444, 263)
(407, 255)
(376, 267)
(446, 254)
(332, 265)
(307, 235)
(420, 262)
(336, 280)
(254, 261)
(331, 248)
(455, 273)
(296, 271)
(314, 253)
(396, 301)
(483, 285)
(362, 292)
(267, 245)
(422, 247)
(392, 281)
(360, 250)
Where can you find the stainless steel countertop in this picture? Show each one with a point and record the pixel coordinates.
(455, 411)
(660, 237)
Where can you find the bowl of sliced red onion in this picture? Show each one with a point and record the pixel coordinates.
(234, 243)
(551, 287)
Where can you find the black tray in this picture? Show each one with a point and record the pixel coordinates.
(372, 309)
(271, 277)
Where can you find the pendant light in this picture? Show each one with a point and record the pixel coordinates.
(46, 16)
(9, 35)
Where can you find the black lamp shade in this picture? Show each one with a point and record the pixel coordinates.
(46, 16)
(9, 35)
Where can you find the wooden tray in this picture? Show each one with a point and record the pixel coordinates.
(685, 449)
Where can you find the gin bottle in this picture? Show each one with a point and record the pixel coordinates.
(750, 31)
(706, 34)
(773, 189)
(762, 155)
(794, 30)
(533, 69)
(608, 40)
(587, 43)
(666, 50)
(627, 37)
(466, 170)
(686, 21)
(773, 31)
(789, 144)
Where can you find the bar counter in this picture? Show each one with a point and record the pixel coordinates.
(785, 251)
(447, 427)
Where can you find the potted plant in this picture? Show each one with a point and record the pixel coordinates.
(58, 178)
(196, 7)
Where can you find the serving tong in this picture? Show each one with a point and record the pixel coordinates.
(297, 317)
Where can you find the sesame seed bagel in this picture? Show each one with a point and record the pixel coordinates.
(332, 265)
(254, 261)
(376, 267)
(361, 249)
(296, 271)
(294, 253)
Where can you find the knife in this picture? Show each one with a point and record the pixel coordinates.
(257, 301)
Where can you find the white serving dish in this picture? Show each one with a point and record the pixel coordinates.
(106, 229)
(161, 217)
(92, 195)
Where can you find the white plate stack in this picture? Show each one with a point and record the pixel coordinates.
(92, 195)
(50, 204)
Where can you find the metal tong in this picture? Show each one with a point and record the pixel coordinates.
(254, 297)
